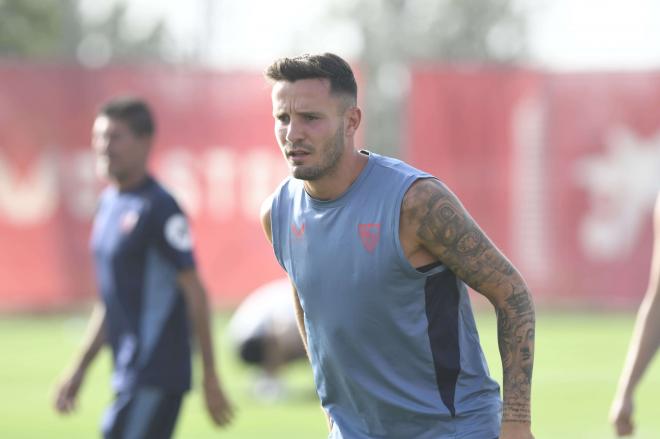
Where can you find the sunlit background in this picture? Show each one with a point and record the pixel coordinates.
(560, 34)
(542, 115)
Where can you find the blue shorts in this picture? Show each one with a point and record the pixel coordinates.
(144, 413)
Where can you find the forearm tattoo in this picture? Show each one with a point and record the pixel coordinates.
(447, 230)
(515, 333)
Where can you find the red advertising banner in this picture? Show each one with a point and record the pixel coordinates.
(603, 166)
(560, 170)
(214, 149)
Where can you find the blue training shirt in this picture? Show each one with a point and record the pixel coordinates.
(394, 348)
(140, 241)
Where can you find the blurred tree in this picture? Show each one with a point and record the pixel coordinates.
(56, 29)
(27, 27)
(397, 32)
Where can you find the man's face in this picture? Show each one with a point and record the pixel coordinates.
(120, 154)
(309, 126)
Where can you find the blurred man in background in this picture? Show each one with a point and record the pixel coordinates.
(644, 342)
(378, 254)
(264, 332)
(150, 292)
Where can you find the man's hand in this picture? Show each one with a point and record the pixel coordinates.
(67, 391)
(516, 430)
(621, 416)
(217, 403)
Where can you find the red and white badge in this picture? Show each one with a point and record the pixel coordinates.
(128, 220)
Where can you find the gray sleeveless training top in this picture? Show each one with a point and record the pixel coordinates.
(394, 349)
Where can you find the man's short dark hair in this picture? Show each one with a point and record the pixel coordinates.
(133, 111)
(326, 66)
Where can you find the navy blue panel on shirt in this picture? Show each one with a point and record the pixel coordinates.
(140, 242)
(442, 300)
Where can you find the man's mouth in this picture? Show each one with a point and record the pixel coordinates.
(296, 153)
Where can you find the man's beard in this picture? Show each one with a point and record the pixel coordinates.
(332, 153)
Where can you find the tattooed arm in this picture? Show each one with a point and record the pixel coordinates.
(435, 226)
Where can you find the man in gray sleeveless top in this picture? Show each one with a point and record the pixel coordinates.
(379, 255)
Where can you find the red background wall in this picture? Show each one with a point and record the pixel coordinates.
(559, 169)
(215, 150)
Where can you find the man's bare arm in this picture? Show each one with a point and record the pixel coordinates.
(300, 315)
(69, 385)
(435, 218)
(217, 404)
(644, 343)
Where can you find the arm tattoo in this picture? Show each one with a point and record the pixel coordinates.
(515, 333)
(447, 231)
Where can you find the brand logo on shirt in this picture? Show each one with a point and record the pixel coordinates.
(298, 232)
(370, 235)
(128, 221)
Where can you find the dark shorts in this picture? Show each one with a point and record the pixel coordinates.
(145, 413)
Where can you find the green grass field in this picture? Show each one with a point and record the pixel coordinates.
(578, 359)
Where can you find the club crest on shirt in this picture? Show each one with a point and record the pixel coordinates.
(177, 233)
(128, 220)
(369, 235)
(298, 232)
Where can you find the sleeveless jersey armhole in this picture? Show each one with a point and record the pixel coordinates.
(403, 260)
(275, 229)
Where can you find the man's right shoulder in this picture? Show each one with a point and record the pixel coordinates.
(286, 189)
(283, 189)
(107, 194)
(266, 207)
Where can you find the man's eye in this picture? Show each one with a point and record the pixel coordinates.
(283, 118)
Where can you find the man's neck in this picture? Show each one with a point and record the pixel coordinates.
(132, 182)
(333, 185)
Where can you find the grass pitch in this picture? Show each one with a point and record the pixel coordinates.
(578, 359)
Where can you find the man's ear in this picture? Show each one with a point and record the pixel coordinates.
(352, 119)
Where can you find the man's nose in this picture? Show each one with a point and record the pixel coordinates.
(294, 133)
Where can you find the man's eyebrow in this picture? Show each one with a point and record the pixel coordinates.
(301, 112)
